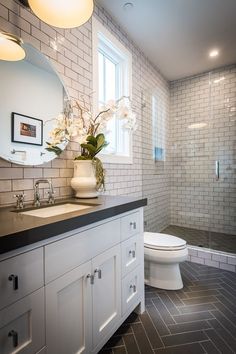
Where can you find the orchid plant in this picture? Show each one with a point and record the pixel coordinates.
(77, 123)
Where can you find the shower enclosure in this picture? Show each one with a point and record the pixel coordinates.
(197, 159)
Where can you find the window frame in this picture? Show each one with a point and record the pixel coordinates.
(100, 33)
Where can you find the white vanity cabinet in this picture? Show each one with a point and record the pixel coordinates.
(86, 282)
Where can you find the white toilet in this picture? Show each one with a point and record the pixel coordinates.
(162, 254)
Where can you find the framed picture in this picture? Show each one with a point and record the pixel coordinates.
(26, 130)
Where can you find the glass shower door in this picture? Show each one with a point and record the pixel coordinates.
(222, 124)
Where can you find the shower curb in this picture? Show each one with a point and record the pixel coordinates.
(212, 258)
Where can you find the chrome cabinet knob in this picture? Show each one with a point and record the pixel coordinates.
(132, 253)
(91, 277)
(133, 287)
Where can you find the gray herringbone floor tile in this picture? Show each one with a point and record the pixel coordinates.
(200, 318)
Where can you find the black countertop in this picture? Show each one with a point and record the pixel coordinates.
(18, 230)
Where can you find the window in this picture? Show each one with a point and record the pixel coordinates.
(111, 80)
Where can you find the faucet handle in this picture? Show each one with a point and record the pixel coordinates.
(20, 200)
(51, 199)
(36, 202)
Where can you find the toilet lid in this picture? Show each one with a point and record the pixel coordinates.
(163, 241)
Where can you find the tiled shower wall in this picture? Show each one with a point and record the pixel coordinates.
(71, 53)
(203, 130)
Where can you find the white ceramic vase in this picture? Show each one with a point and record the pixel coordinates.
(84, 180)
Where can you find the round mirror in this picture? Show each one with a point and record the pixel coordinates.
(32, 97)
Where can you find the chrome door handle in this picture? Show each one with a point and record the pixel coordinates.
(217, 170)
(98, 272)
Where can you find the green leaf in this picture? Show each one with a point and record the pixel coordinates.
(100, 141)
(102, 147)
(54, 149)
(92, 140)
(90, 148)
(82, 158)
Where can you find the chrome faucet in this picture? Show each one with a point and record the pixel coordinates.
(51, 199)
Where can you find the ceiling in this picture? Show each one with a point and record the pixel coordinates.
(177, 35)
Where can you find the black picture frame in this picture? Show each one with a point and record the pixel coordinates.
(26, 130)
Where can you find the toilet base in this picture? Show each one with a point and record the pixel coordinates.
(163, 276)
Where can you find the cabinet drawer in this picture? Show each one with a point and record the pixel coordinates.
(130, 253)
(130, 289)
(22, 325)
(20, 276)
(130, 225)
(67, 254)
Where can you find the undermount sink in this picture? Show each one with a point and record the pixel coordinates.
(55, 210)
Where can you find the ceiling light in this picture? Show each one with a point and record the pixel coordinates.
(11, 47)
(213, 53)
(128, 6)
(62, 13)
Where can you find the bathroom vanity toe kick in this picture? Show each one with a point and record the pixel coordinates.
(88, 283)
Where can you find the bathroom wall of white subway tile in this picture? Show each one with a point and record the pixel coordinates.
(203, 130)
(71, 53)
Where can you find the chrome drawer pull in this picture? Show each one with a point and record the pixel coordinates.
(133, 225)
(14, 279)
(91, 277)
(132, 253)
(14, 336)
(98, 272)
(133, 287)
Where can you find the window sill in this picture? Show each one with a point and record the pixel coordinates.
(106, 158)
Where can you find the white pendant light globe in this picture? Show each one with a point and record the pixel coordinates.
(11, 47)
(63, 13)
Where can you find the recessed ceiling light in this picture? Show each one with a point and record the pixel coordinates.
(214, 53)
(128, 6)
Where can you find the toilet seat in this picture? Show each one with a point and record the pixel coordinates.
(163, 242)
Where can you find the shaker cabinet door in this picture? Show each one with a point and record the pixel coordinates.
(22, 329)
(106, 293)
(69, 312)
